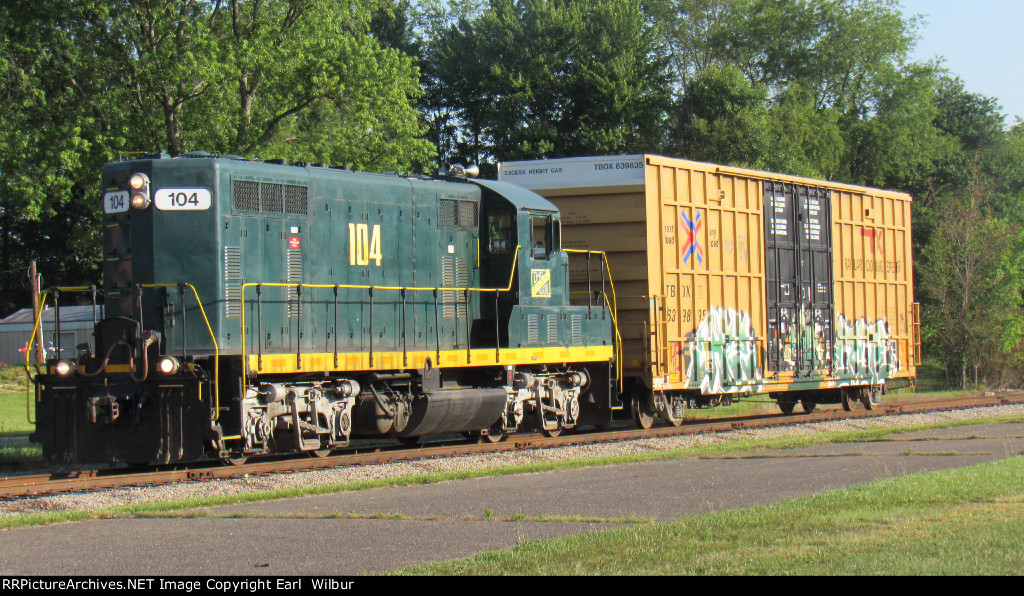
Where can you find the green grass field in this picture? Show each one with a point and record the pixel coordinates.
(965, 521)
(13, 405)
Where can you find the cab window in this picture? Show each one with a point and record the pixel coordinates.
(540, 236)
(500, 232)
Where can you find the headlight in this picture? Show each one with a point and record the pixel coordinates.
(65, 367)
(138, 181)
(139, 184)
(140, 200)
(168, 365)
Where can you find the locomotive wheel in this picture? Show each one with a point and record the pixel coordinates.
(494, 436)
(234, 460)
(551, 433)
(808, 406)
(643, 417)
(321, 453)
(496, 433)
(786, 406)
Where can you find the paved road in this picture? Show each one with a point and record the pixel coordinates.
(449, 520)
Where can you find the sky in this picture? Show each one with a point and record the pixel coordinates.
(982, 42)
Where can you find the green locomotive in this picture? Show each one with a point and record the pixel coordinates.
(254, 307)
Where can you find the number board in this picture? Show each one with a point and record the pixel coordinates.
(115, 202)
(182, 199)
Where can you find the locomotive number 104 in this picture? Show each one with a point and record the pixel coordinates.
(363, 246)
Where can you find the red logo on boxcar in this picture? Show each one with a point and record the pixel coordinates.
(877, 244)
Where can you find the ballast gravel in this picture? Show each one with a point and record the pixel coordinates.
(211, 488)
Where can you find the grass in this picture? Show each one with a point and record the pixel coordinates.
(964, 521)
(14, 420)
(13, 408)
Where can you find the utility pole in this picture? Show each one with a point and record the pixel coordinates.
(33, 277)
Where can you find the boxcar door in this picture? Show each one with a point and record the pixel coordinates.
(798, 239)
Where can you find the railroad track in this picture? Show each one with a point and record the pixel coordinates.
(84, 480)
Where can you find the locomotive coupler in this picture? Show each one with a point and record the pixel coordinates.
(103, 409)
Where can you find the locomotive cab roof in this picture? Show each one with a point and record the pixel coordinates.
(521, 198)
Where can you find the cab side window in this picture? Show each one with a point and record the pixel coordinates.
(500, 232)
(540, 236)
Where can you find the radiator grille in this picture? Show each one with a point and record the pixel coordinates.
(247, 195)
(453, 212)
(270, 197)
(295, 199)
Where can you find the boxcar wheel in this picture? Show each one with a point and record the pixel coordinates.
(808, 406)
(787, 406)
(847, 407)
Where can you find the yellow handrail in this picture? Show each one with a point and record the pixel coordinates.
(28, 351)
(241, 298)
(202, 310)
(614, 302)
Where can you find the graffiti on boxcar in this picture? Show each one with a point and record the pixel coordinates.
(865, 351)
(723, 354)
(803, 339)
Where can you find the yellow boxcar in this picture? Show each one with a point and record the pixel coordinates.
(733, 282)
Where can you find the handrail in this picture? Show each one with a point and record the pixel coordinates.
(614, 310)
(202, 310)
(241, 299)
(607, 267)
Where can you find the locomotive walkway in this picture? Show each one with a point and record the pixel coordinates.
(450, 520)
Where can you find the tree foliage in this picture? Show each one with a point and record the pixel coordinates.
(545, 78)
(84, 82)
(971, 274)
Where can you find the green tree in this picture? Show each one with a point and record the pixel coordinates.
(84, 82)
(696, 34)
(803, 139)
(971, 276)
(722, 118)
(540, 78)
(53, 136)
